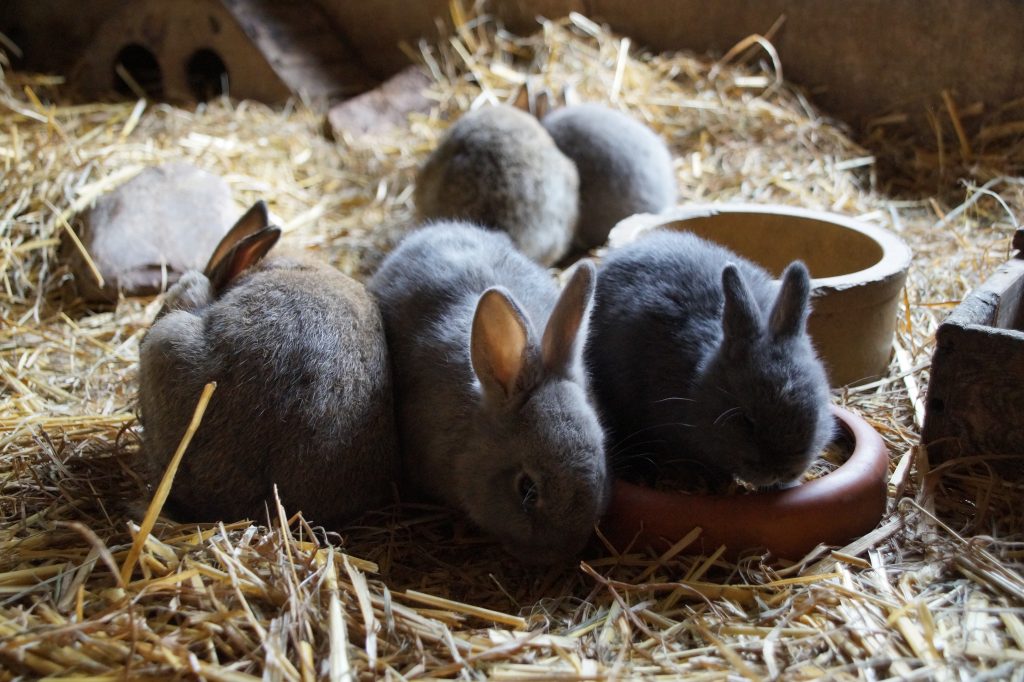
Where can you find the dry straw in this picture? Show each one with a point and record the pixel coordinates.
(415, 592)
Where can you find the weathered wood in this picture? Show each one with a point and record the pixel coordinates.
(976, 392)
(303, 46)
(173, 31)
(270, 49)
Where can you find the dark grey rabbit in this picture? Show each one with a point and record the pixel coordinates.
(303, 395)
(490, 394)
(498, 167)
(624, 167)
(701, 363)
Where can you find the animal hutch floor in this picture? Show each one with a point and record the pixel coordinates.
(412, 592)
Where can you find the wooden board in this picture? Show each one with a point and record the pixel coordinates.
(976, 392)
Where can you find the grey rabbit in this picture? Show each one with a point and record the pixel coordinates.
(490, 395)
(701, 362)
(303, 398)
(624, 167)
(498, 167)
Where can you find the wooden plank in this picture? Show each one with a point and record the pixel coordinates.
(975, 399)
(303, 46)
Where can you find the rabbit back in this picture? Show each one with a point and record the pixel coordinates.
(624, 167)
(303, 399)
(498, 167)
(450, 264)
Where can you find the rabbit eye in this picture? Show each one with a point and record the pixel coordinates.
(527, 490)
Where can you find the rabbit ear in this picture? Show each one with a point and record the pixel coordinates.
(499, 343)
(253, 220)
(741, 318)
(558, 346)
(790, 310)
(248, 240)
(247, 252)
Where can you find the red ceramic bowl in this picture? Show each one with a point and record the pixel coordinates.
(833, 509)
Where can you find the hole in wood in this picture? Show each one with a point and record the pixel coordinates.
(139, 71)
(207, 75)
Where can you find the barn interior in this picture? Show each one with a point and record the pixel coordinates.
(901, 118)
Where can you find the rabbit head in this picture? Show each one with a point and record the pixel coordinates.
(763, 396)
(538, 478)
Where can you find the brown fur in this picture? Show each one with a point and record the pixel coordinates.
(303, 395)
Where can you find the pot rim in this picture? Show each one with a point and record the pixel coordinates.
(895, 260)
(832, 509)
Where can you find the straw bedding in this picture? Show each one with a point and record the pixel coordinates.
(93, 586)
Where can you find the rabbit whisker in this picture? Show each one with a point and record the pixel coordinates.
(617, 446)
(728, 393)
(633, 447)
(727, 415)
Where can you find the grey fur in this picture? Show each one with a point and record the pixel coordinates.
(624, 167)
(498, 167)
(460, 306)
(303, 394)
(701, 362)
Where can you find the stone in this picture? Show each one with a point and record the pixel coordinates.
(385, 107)
(148, 231)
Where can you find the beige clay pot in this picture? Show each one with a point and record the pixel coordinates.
(832, 509)
(857, 271)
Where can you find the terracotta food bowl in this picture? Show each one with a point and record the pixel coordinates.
(857, 272)
(833, 509)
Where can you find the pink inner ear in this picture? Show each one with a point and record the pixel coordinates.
(507, 353)
(499, 341)
(250, 254)
(245, 253)
(251, 222)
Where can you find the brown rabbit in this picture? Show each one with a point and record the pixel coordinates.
(303, 397)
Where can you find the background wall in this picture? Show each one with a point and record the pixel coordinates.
(860, 58)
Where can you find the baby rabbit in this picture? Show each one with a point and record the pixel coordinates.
(624, 167)
(491, 401)
(701, 362)
(497, 166)
(303, 395)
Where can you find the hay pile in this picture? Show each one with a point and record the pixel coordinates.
(414, 592)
